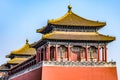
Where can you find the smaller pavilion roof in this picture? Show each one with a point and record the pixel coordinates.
(16, 60)
(83, 36)
(25, 50)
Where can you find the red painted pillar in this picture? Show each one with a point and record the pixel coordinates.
(68, 55)
(40, 56)
(37, 56)
(98, 53)
(106, 53)
(48, 52)
(103, 52)
(86, 53)
(56, 52)
(44, 54)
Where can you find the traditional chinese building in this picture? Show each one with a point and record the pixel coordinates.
(16, 57)
(71, 48)
(20, 55)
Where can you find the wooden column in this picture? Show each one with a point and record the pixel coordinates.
(86, 53)
(56, 52)
(37, 56)
(40, 56)
(98, 53)
(44, 54)
(103, 54)
(48, 52)
(68, 55)
(106, 53)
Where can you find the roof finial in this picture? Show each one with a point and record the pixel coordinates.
(69, 7)
(27, 41)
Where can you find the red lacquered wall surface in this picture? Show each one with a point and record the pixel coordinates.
(79, 73)
(70, 73)
(32, 75)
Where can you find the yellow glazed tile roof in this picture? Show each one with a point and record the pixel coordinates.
(16, 60)
(72, 19)
(92, 36)
(25, 50)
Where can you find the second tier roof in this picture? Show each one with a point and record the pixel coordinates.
(82, 36)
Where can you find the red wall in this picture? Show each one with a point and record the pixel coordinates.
(33, 75)
(79, 73)
(71, 73)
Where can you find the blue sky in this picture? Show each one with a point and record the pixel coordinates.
(19, 20)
